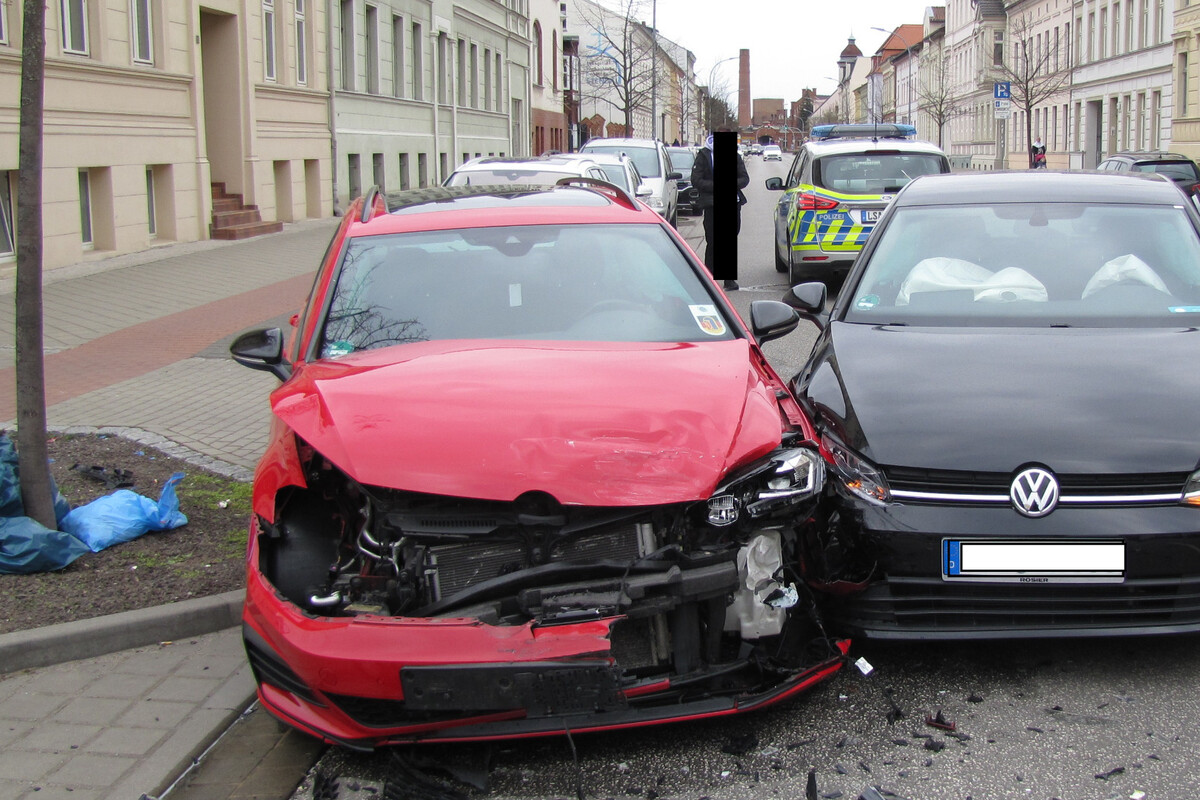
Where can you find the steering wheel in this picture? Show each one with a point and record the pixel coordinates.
(614, 304)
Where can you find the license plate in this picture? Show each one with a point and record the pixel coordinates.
(870, 214)
(1034, 561)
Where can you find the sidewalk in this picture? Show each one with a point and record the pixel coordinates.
(121, 706)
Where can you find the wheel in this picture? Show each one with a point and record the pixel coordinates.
(794, 276)
(780, 264)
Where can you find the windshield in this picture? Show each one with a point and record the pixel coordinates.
(644, 158)
(874, 173)
(615, 173)
(505, 175)
(1033, 264)
(681, 159)
(546, 282)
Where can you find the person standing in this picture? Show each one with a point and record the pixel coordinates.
(1038, 152)
(719, 175)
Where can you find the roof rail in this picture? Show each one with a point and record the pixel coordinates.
(882, 130)
(611, 189)
(371, 200)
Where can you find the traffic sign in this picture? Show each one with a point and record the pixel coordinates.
(1002, 90)
(1003, 108)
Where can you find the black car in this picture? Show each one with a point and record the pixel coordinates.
(1006, 391)
(1179, 168)
(682, 159)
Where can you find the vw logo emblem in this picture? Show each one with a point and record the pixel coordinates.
(1034, 492)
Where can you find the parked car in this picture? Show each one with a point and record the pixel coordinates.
(1179, 168)
(839, 183)
(619, 170)
(772, 152)
(528, 473)
(533, 171)
(1004, 387)
(653, 164)
(682, 159)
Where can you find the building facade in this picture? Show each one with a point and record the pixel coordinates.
(1185, 125)
(548, 122)
(149, 104)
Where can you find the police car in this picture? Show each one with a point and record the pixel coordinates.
(838, 185)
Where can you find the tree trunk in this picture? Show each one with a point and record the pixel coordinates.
(30, 365)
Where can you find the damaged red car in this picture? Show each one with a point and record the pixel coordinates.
(528, 473)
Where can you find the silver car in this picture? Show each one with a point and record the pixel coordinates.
(653, 164)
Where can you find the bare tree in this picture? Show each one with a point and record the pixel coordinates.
(617, 59)
(934, 95)
(34, 465)
(1037, 72)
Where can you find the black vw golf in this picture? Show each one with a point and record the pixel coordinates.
(1007, 390)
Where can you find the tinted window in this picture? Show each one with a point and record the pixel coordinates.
(1039, 264)
(874, 173)
(546, 282)
(1175, 170)
(646, 158)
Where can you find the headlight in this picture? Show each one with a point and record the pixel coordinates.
(1191, 489)
(784, 478)
(859, 476)
(654, 202)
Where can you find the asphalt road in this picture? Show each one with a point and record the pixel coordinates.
(1053, 719)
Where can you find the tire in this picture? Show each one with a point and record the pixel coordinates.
(794, 276)
(780, 264)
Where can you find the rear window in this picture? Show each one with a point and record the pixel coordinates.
(874, 172)
(1175, 170)
(500, 177)
(644, 158)
(681, 159)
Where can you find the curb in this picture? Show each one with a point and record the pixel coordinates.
(87, 638)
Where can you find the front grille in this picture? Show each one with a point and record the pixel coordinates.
(1084, 488)
(454, 567)
(903, 604)
(270, 670)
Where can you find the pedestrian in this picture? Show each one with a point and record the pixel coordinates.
(675, 143)
(722, 209)
(1038, 151)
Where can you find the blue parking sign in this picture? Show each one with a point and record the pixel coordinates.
(1002, 90)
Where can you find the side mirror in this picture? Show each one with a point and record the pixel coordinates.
(262, 349)
(775, 184)
(674, 176)
(771, 319)
(643, 190)
(809, 299)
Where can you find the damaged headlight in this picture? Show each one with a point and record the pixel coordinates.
(859, 476)
(1191, 490)
(784, 478)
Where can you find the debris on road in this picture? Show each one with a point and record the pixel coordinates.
(939, 721)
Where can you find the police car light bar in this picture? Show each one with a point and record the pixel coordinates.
(883, 130)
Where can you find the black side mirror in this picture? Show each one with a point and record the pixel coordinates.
(674, 176)
(770, 319)
(775, 184)
(262, 349)
(809, 299)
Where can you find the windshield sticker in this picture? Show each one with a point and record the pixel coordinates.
(1184, 309)
(867, 302)
(514, 295)
(339, 348)
(708, 319)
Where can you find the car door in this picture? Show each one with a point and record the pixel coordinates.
(670, 187)
(785, 208)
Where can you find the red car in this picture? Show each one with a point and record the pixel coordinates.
(528, 473)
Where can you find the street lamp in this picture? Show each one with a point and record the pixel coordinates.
(710, 82)
(908, 62)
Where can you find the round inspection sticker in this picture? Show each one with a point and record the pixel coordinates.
(708, 319)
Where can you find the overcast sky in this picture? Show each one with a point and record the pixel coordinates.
(793, 43)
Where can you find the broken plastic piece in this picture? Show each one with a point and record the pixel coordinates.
(114, 479)
(974, 698)
(1106, 775)
(936, 745)
(939, 721)
(864, 666)
(1138, 795)
(783, 597)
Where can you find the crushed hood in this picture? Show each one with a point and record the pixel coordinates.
(602, 424)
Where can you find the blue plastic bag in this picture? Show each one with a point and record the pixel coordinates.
(25, 545)
(124, 515)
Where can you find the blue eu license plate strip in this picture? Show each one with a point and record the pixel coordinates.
(1034, 560)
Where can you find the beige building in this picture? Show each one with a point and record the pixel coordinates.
(149, 102)
(548, 121)
(1185, 125)
(420, 87)
(1039, 61)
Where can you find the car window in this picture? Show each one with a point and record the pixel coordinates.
(1175, 170)
(682, 160)
(873, 173)
(545, 282)
(502, 176)
(615, 173)
(1039, 264)
(646, 158)
(797, 170)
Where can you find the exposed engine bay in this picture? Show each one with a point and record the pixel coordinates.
(707, 590)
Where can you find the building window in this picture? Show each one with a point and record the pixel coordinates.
(354, 175)
(1156, 120)
(301, 43)
(553, 60)
(418, 63)
(487, 78)
(474, 76)
(347, 18)
(537, 53)
(443, 71)
(1146, 23)
(1183, 84)
(378, 174)
(85, 209)
(1162, 23)
(269, 39)
(462, 72)
(422, 170)
(3, 27)
(8, 230)
(998, 49)
(1129, 27)
(140, 31)
(397, 56)
(499, 97)
(74, 26)
(151, 221)
(404, 184)
(372, 50)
